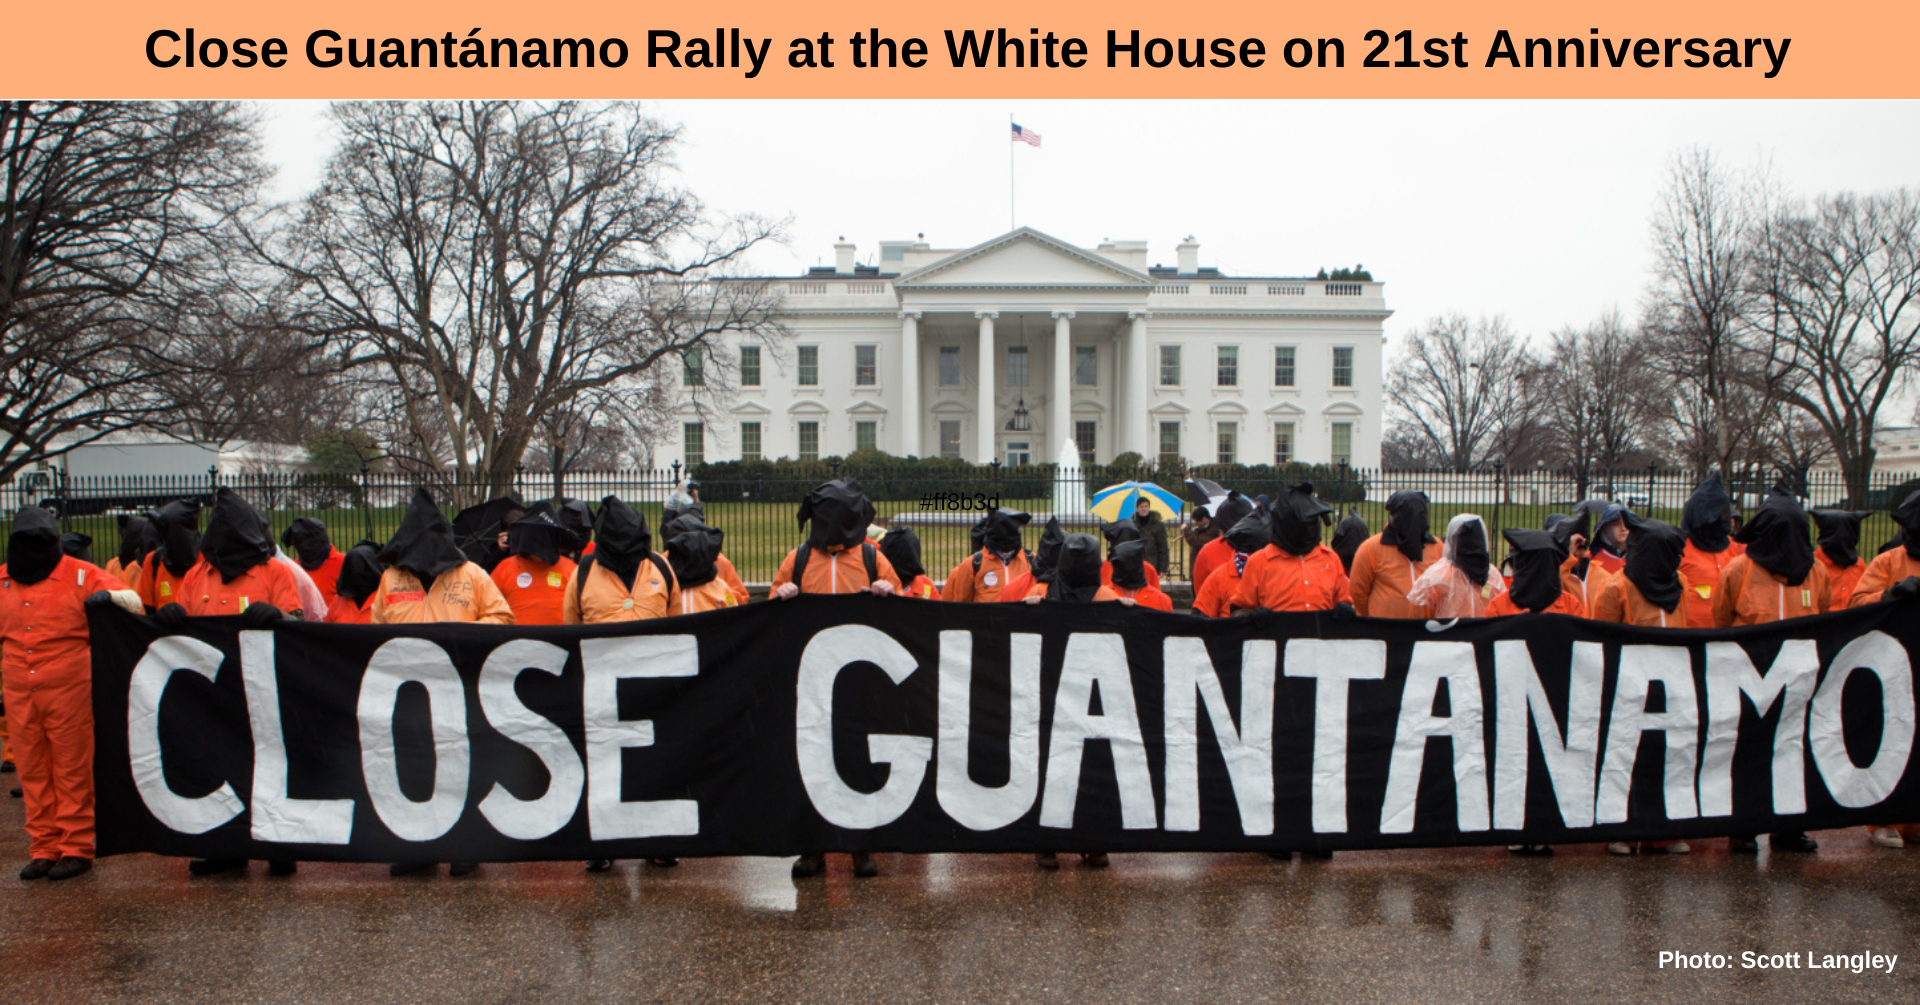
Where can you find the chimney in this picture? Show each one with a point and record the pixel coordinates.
(1189, 250)
(843, 257)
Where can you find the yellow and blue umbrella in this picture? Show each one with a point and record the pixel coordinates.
(1117, 501)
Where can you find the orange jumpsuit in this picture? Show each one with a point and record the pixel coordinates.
(1843, 580)
(1885, 570)
(1215, 597)
(533, 588)
(1622, 602)
(326, 578)
(1750, 595)
(1106, 592)
(923, 587)
(965, 585)
(204, 594)
(1208, 561)
(1281, 581)
(604, 598)
(708, 596)
(1382, 576)
(461, 594)
(1703, 569)
(341, 611)
(46, 672)
(732, 578)
(1146, 596)
(1568, 603)
(156, 585)
(844, 571)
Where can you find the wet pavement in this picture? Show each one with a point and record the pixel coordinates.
(1451, 926)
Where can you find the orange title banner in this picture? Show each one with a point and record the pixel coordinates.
(361, 48)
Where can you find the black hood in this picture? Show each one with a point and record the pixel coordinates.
(78, 545)
(1046, 555)
(1704, 519)
(137, 541)
(1348, 535)
(360, 573)
(537, 535)
(1130, 565)
(309, 541)
(1076, 577)
(1777, 537)
(902, 548)
(622, 540)
(237, 538)
(1406, 529)
(1297, 515)
(1249, 534)
(1654, 550)
(1003, 530)
(1564, 528)
(1119, 532)
(1840, 534)
(576, 519)
(177, 525)
(839, 512)
(693, 553)
(33, 546)
(1907, 515)
(424, 545)
(1229, 511)
(977, 534)
(1535, 558)
(677, 506)
(1473, 553)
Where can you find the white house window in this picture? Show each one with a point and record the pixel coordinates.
(1283, 443)
(1169, 443)
(1016, 366)
(749, 366)
(1342, 443)
(865, 365)
(1083, 438)
(1228, 436)
(690, 372)
(1227, 369)
(695, 443)
(866, 436)
(1019, 453)
(1169, 366)
(1343, 366)
(809, 366)
(1086, 359)
(949, 366)
(1283, 366)
(749, 441)
(809, 441)
(950, 437)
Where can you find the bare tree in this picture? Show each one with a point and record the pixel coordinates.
(1460, 387)
(115, 220)
(1600, 386)
(1839, 287)
(484, 264)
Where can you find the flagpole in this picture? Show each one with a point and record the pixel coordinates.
(1010, 189)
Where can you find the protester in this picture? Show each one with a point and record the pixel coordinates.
(1387, 564)
(999, 559)
(1895, 572)
(694, 554)
(1075, 580)
(575, 518)
(836, 558)
(624, 579)
(1774, 580)
(1117, 533)
(1296, 572)
(1838, 554)
(1243, 540)
(1046, 556)
(1707, 522)
(46, 674)
(901, 546)
(1462, 584)
(1348, 535)
(1130, 578)
(177, 526)
(676, 522)
(1153, 533)
(314, 550)
(137, 541)
(1569, 533)
(1651, 589)
(533, 576)
(1608, 550)
(359, 577)
(1223, 515)
(77, 545)
(1536, 586)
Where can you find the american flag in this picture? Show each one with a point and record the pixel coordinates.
(1027, 136)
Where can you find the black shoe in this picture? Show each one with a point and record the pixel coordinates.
(1531, 850)
(663, 861)
(69, 867)
(460, 869)
(37, 869)
(14, 792)
(1742, 846)
(1793, 841)
(1046, 860)
(1094, 860)
(599, 864)
(411, 868)
(282, 867)
(807, 866)
(215, 866)
(864, 866)
(6, 767)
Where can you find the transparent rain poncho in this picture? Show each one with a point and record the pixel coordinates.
(1448, 588)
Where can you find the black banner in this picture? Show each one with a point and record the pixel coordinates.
(889, 724)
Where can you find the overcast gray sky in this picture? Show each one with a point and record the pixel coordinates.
(1537, 210)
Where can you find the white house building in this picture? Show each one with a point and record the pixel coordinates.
(1010, 348)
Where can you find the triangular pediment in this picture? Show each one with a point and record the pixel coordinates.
(1025, 258)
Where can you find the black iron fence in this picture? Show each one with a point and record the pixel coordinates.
(754, 503)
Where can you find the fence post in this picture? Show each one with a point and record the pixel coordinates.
(366, 504)
(60, 495)
(1499, 491)
(1652, 466)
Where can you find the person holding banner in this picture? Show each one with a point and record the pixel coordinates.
(1000, 559)
(1462, 584)
(902, 548)
(314, 550)
(177, 526)
(1838, 554)
(1537, 586)
(1296, 572)
(1222, 517)
(836, 558)
(1117, 533)
(1243, 540)
(694, 554)
(1776, 579)
(1046, 556)
(359, 578)
(46, 673)
(1129, 564)
(137, 541)
(533, 576)
(1348, 535)
(1387, 564)
(691, 516)
(1076, 580)
(1651, 590)
(624, 579)
(1895, 572)
(1707, 522)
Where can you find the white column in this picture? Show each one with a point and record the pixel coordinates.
(1060, 416)
(984, 413)
(910, 383)
(1134, 419)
